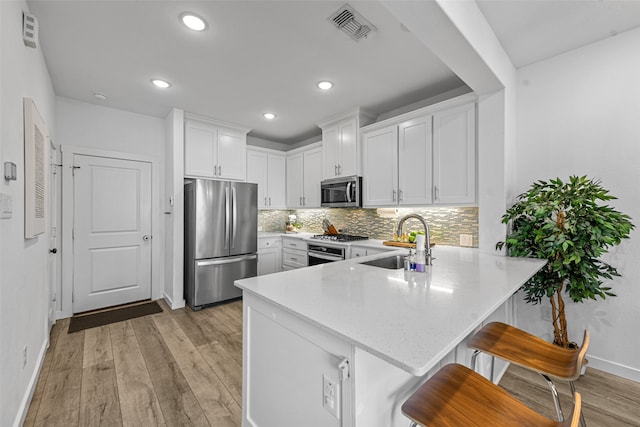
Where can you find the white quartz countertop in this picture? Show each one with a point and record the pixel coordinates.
(409, 319)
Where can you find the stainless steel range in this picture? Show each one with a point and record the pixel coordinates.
(339, 237)
(329, 248)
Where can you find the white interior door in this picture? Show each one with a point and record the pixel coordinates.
(111, 232)
(52, 262)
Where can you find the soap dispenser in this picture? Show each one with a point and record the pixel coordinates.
(421, 260)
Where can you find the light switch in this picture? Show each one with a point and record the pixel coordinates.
(10, 172)
(6, 206)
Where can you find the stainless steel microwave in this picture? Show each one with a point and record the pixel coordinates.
(341, 192)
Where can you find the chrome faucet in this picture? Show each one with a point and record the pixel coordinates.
(426, 233)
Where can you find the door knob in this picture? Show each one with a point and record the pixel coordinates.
(146, 237)
(53, 251)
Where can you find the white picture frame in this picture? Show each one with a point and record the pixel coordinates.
(36, 143)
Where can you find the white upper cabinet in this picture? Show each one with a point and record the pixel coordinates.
(213, 151)
(340, 144)
(454, 155)
(397, 164)
(311, 177)
(414, 162)
(267, 169)
(304, 173)
(380, 167)
(295, 188)
(424, 157)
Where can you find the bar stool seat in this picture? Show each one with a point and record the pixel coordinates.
(457, 396)
(523, 349)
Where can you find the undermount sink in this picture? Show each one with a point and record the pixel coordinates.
(394, 262)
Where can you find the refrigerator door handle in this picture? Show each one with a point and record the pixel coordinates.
(226, 260)
(226, 218)
(234, 208)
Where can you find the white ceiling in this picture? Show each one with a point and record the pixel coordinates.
(259, 56)
(533, 30)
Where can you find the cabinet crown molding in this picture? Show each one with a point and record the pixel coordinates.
(363, 115)
(215, 122)
(429, 109)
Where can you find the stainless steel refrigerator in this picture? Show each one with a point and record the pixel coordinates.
(220, 239)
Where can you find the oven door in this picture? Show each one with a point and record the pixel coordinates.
(319, 254)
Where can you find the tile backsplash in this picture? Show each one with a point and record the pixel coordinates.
(446, 224)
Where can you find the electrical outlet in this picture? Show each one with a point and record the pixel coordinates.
(24, 356)
(331, 396)
(466, 240)
(546, 313)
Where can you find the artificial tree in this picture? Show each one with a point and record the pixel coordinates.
(568, 224)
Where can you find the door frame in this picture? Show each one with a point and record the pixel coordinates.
(157, 249)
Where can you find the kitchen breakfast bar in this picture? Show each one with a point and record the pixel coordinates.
(345, 343)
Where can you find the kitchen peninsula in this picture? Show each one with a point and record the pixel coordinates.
(344, 344)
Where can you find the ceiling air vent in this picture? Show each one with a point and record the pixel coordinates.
(351, 22)
(29, 30)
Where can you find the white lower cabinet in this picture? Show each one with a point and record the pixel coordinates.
(360, 251)
(294, 253)
(288, 363)
(269, 255)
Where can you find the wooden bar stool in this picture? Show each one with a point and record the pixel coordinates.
(523, 349)
(457, 396)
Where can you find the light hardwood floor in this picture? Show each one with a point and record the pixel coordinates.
(183, 368)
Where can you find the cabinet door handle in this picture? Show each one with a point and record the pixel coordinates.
(435, 192)
(304, 201)
(339, 169)
(220, 170)
(400, 195)
(300, 200)
(269, 200)
(265, 201)
(335, 170)
(394, 195)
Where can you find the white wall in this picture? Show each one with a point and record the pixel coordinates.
(174, 213)
(23, 263)
(103, 129)
(579, 113)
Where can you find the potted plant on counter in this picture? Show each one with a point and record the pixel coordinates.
(569, 225)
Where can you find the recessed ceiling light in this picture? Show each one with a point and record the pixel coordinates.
(325, 85)
(193, 21)
(100, 96)
(161, 83)
(269, 116)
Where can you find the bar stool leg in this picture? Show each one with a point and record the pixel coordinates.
(474, 356)
(573, 393)
(556, 399)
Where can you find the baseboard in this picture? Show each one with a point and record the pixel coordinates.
(173, 305)
(614, 368)
(31, 387)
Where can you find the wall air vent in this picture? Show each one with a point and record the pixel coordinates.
(29, 30)
(351, 22)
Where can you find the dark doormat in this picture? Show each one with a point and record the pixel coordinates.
(87, 321)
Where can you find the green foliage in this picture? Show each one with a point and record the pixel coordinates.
(568, 224)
